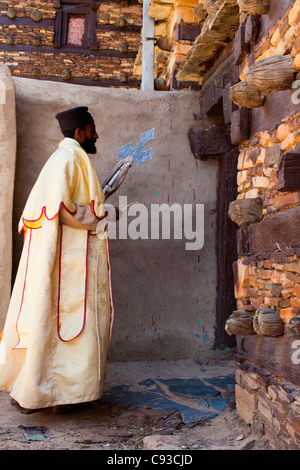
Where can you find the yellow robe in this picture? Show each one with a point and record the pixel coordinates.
(59, 322)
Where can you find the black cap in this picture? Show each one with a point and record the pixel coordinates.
(74, 118)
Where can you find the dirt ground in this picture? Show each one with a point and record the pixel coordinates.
(113, 424)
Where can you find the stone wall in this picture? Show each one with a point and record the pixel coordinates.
(271, 278)
(270, 403)
(29, 47)
(267, 212)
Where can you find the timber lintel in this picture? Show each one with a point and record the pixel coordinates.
(212, 142)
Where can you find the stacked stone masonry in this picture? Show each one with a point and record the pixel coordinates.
(27, 44)
(264, 400)
(282, 38)
(270, 280)
(258, 165)
(267, 272)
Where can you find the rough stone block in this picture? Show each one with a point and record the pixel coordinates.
(246, 404)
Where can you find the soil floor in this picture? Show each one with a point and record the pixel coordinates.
(162, 405)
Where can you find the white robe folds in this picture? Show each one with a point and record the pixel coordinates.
(59, 322)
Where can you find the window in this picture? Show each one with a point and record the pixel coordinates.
(76, 30)
(75, 25)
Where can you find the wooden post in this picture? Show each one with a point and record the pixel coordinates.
(147, 50)
(241, 48)
(240, 125)
(289, 172)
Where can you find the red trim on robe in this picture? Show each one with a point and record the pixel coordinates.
(23, 292)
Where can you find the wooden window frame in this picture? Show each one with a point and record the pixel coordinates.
(61, 24)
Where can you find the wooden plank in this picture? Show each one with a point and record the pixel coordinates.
(211, 142)
(275, 355)
(241, 48)
(240, 124)
(128, 28)
(226, 247)
(275, 230)
(251, 29)
(187, 32)
(242, 236)
(277, 107)
(213, 99)
(228, 105)
(68, 50)
(5, 21)
(289, 172)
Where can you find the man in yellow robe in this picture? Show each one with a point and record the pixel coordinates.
(58, 327)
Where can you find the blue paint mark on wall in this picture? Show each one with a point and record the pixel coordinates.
(137, 153)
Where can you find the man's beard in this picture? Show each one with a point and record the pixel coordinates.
(89, 146)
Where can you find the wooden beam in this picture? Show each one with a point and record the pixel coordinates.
(68, 50)
(240, 125)
(228, 105)
(289, 172)
(213, 99)
(251, 29)
(44, 23)
(211, 142)
(272, 354)
(275, 231)
(277, 107)
(128, 28)
(186, 32)
(241, 47)
(242, 236)
(226, 247)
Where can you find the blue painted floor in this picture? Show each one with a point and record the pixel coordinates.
(196, 399)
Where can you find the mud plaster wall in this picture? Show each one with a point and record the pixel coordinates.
(164, 295)
(7, 172)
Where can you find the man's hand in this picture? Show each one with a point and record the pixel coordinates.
(82, 219)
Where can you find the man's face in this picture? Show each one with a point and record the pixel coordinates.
(88, 138)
